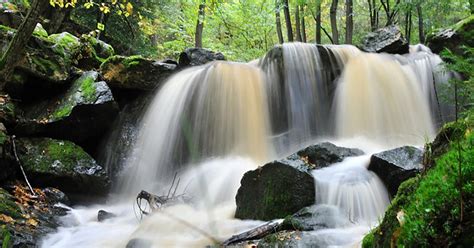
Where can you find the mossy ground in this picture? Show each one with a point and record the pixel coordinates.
(429, 206)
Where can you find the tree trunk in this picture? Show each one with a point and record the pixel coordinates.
(349, 21)
(374, 15)
(200, 25)
(297, 22)
(17, 45)
(318, 22)
(421, 31)
(289, 29)
(303, 25)
(57, 19)
(471, 6)
(333, 17)
(278, 22)
(408, 24)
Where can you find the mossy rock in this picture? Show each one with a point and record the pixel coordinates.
(84, 111)
(7, 110)
(8, 206)
(135, 72)
(61, 164)
(453, 37)
(8, 166)
(281, 188)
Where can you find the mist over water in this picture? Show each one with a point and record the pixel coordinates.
(210, 124)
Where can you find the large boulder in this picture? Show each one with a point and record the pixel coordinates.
(282, 187)
(396, 165)
(386, 40)
(8, 166)
(135, 72)
(83, 112)
(61, 164)
(198, 56)
(452, 38)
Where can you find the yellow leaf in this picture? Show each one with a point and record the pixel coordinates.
(129, 8)
(32, 222)
(6, 218)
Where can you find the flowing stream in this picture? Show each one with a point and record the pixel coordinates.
(212, 123)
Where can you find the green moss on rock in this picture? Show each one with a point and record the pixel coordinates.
(8, 206)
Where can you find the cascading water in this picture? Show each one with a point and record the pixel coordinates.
(212, 123)
(380, 99)
(203, 112)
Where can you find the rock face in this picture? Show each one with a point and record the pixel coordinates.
(8, 166)
(281, 188)
(61, 164)
(462, 33)
(396, 165)
(198, 56)
(84, 111)
(386, 40)
(135, 72)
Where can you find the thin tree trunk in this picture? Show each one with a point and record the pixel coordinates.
(421, 31)
(57, 19)
(408, 24)
(278, 22)
(333, 17)
(318, 22)
(17, 45)
(286, 11)
(303, 25)
(200, 25)
(349, 21)
(374, 15)
(297, 21)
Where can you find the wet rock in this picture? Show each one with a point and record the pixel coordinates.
(56, 196)
(316, 217)
(25, 226)
(282, 187)
(396, 165)
(386, 40)
(198, 56)
(452, 38)
(104, 215)
(61, 164)
(139, 243)
(135, 72)
(81, 113)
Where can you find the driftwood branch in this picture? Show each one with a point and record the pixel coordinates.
(255, 233)
(21, 166)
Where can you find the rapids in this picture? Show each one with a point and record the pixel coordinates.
(212, 123)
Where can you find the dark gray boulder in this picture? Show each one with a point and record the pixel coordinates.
(104, 215)
(135, 72)
(61, 164)
(79, 114)
(282, 187)
(198, 56)
(454, 37)
(8, 166)
(139, 243)
(396, 165)
(386, 40)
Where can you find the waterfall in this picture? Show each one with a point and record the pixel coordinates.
(218, 109)
(212, 123)
(380, 99)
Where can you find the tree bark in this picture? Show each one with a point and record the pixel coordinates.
(421, 31)
(286, 11)
(349, 21)
(408, 24)
(303, 25)
(200, 24)
(297, 22)
(57, 19)
(318, 22)
(278, 22)
(333, 17)
(17, 45)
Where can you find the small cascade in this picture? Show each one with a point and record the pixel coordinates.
(218, 109)
(358, 192)
(300, 85)
(379, 99)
